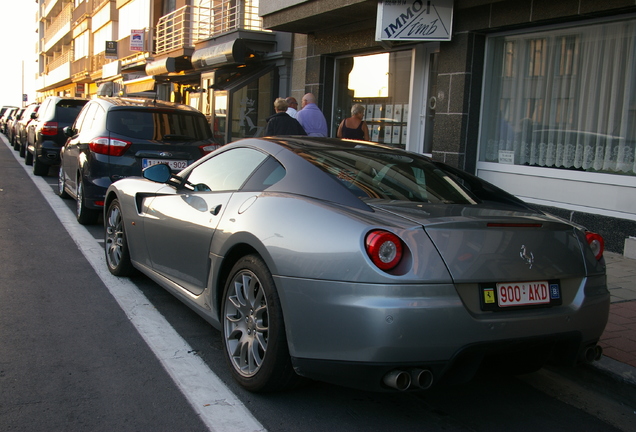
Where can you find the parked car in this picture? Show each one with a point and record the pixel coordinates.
(8, 114)
(45, 134)
(21, 128)
(115, 138)
(11, 126)
(359, 264)
(3, 110)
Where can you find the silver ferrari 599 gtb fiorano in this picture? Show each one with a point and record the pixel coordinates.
(358, 264)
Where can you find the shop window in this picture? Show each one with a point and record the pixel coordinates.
(380, 82)
(251, 105)
(572, 107)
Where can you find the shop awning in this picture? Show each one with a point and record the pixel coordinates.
(163, 66)
(238, 51)
(219, 55)
(140, 85)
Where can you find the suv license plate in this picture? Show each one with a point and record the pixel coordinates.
(523, 293)
(175, 165)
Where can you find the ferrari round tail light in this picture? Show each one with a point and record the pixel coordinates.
(384, 249)
(596, 242)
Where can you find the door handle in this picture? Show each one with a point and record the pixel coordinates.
(215, 211)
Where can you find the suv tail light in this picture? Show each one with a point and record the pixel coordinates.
(108, 146)
(596, 242)
(208, 148)
(49, 128)
(384, 249)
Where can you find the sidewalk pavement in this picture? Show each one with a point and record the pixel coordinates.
(619, 339)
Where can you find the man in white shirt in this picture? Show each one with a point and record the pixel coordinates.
(292, 106)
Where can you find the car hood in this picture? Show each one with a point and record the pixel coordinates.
(480, 243)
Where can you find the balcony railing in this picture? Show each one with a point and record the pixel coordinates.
(59, 60)
(191, 24)
(64, 18)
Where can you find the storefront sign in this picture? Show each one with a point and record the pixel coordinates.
(414, 20)
(111, 49)
(136, 40)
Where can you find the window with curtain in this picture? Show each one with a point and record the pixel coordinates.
(563, 99)
(133, 16)
(80, 45)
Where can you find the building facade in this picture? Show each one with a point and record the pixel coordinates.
(210, 54)
(536, 96)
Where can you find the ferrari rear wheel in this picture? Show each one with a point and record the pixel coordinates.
(115, 243)
(253, 329)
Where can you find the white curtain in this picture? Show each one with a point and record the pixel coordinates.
(564, 99)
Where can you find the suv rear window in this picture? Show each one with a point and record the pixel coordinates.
(158, 125)
(67, 111)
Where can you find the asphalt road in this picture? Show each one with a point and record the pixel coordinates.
(76, 356)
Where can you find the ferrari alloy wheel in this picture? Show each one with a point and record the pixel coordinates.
(115, 243)
(253, 329)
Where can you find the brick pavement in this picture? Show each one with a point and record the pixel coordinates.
(619, 339)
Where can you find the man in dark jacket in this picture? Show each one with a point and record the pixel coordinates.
(282, 123)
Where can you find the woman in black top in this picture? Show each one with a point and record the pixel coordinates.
(354, 127)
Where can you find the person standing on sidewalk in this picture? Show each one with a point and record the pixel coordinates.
(292, 106)
(281, 123)
(311, 118)
(354, 127)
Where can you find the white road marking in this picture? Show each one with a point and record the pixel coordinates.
(212, 400)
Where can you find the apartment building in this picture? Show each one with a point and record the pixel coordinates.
(211, 54)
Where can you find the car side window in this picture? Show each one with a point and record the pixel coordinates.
(43, 108)
(80, 117)
(90, 117)
(226, 171)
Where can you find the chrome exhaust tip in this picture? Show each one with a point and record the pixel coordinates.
(397, 379)
(422, 378)
(592, 353)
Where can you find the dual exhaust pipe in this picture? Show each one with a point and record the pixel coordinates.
(403, 380)
(423, 378)
(592, 353)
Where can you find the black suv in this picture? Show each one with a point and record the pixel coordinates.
(45, 135)
(114, 138)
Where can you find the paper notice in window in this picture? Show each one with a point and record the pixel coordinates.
(507, 157)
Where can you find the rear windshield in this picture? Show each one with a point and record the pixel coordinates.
(159, 125)
(67, 111)
(372, 174)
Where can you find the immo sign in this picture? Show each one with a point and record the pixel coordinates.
(414, 20)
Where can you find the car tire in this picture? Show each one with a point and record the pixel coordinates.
(22, 149)
(61, 184)
(115, 242)
(254, 339)
(85, 215)
(28, 158)
(39, 168)
(16, 146)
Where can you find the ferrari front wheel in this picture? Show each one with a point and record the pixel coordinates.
(253, 329)
(115, 242)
